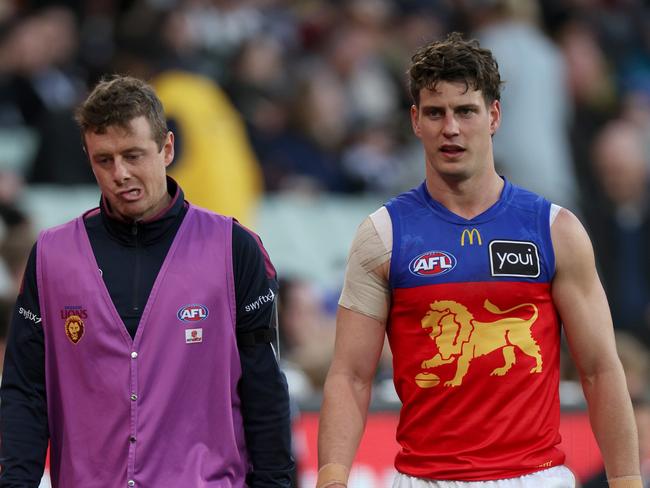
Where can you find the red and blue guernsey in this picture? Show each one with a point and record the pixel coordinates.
(475, 338)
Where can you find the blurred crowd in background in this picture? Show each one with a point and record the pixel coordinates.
(270, 98)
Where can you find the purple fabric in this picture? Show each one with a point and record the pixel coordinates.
(168, 415)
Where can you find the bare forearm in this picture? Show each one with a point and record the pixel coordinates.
(612, 420)
(359, 340)
(342, 419)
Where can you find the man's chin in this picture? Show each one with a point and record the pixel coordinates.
(455, 174)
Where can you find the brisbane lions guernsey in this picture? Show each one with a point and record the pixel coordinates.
(475, 338)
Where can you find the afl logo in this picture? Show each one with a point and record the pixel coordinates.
(432, 263)
(192, 313)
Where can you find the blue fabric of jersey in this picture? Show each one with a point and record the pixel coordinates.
(426, 234)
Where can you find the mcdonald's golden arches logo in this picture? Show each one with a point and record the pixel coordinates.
(471, 234)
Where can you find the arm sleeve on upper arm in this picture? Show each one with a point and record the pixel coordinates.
(365, 290)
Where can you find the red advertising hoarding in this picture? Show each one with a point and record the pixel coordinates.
(373, 467)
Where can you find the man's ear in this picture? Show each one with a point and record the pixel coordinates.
(168, 148)
(415, 120)
(83, 146)
(495, 116)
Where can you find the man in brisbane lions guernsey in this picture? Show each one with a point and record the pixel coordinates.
(471, 278)
(141, 344)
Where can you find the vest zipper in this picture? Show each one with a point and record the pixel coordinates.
(136, 273)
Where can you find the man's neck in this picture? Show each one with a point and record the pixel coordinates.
(466, 198)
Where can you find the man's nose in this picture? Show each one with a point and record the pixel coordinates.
(450, 125)
(120, 170)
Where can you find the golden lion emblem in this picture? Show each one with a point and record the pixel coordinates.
(461, 338)
(74, 328)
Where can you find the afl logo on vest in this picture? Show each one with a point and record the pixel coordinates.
(432, 263)
(192, 313)
(514, 258)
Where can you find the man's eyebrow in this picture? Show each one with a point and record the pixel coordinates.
(99, 154)
(126, 150)
(433, 106)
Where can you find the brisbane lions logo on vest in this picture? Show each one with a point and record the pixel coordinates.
(74, 323)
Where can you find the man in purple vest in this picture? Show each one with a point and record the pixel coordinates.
(141, 341)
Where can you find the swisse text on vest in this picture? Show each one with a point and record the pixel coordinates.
(514, 258)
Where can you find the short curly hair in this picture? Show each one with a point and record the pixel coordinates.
(455, 59)
(116, 100)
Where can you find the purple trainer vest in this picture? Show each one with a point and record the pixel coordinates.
(161, 410)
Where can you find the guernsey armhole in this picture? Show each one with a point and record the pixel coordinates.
(555, 209)
(381, 220)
